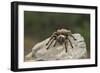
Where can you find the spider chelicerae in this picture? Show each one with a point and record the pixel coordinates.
(61, 36)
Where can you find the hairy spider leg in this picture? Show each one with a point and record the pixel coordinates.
(52, 36)
(70, 43)
(55, 43)
(50, 43)
(73, 37)
(65, 43)
(49, 40)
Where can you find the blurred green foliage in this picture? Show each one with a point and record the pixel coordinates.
(40, 25)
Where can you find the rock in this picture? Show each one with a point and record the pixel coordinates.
(40, 53)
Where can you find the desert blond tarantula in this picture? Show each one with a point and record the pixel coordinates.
(61, 36)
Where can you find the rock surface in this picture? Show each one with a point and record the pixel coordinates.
(39, 51)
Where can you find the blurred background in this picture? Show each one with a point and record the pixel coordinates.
(40, 25)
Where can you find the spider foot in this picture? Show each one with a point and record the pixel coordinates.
(46, 44)
(54, 45)
(66, 51)
(47, 48)
(72, 46)
(75, 39)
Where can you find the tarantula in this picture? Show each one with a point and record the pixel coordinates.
(61, 36)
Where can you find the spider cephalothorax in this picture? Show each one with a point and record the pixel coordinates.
(61, 36)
